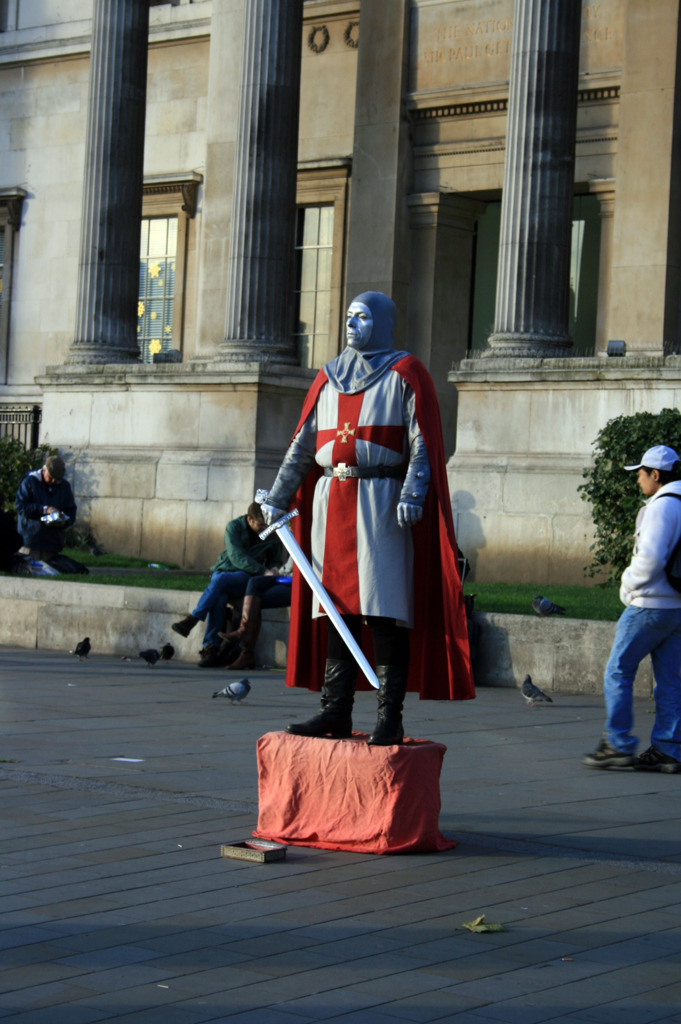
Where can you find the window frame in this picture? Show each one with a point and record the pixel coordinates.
(328, 185)
(174, 196)
(11, 203)
(9, 15)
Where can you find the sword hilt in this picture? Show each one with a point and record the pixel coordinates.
(277, 525)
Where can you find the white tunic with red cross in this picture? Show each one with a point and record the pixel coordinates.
(364, 558)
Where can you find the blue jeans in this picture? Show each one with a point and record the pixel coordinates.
(223, 587)
(642, 631)
(271, 593)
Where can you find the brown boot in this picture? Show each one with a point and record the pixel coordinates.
(250, 609)
(244, 659)
(185, 625)
(251, 631)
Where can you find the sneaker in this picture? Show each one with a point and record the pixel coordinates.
(653, 760)
(605, 756)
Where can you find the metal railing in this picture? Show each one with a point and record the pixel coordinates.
(22, 422)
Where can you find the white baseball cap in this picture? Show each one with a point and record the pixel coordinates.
(659, 457)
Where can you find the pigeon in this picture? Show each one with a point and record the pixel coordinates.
(237, 691)
(167, 652)
(151, 656)
(532, 694)
(544, 607)
(83, 648)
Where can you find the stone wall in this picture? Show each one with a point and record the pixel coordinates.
(162, 457)
(119, 620)
(561, 655)
(525, 435)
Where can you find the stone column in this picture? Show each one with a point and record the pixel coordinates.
(532, 304)
(108, 273)
(260, 287)
(440, 275)
(378, 234)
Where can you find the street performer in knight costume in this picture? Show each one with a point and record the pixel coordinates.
(366, 469)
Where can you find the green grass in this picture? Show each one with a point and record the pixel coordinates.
(106, 560)
(600, 603)
(151, 579)
(580, 602)
(146, 577)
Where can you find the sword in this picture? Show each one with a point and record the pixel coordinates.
(311, 578)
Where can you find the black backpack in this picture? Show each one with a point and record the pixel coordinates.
(673, 567)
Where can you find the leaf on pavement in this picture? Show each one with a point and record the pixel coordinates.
(480, 925)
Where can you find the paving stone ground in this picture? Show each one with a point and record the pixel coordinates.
(117, 906)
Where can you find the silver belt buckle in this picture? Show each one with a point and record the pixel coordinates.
(341, 471)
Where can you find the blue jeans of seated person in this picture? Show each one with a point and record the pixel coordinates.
(223, 587)
(643, 631)
(271, 593)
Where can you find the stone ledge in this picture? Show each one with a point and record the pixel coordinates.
(119, 620)
(561, 655)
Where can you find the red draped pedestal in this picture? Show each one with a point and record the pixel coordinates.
(347, 795)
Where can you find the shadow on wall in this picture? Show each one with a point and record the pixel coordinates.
(468, 528)
(81, 476)
(493, 657)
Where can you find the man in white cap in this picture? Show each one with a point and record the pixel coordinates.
(650, 624)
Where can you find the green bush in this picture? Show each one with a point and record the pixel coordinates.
(15, 462)
(613, 492)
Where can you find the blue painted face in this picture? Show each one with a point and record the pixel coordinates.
(359, 324)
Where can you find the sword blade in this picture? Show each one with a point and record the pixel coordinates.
(313, 581)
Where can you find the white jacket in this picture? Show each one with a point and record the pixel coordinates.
(658, 528)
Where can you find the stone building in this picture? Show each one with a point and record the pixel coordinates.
(190, 191)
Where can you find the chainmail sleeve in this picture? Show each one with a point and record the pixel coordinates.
(297, 463)
(415, 486)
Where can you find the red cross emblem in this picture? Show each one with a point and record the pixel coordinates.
(389, 436)
(345, 433)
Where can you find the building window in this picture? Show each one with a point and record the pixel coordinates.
(11, 200)
(8, 15)
(167, 268)
(584, 258)
(320, 254)
(314, 252)
(156, 299)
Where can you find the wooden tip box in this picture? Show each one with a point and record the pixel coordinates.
(258, 850)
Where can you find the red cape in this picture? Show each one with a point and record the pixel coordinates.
(439, 665)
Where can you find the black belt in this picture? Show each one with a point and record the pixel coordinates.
(343, 472)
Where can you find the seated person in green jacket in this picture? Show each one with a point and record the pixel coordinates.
(245, 556)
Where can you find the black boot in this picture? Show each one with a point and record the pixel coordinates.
(209, 657)
(393, 680)
(185, 625)
(338, 694)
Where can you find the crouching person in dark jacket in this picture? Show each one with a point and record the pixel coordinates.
(45, 507)
(10, 541)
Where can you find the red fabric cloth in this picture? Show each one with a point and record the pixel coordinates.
(439, 667)
(347, 795)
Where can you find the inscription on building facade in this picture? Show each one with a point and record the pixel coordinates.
(460, 43)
